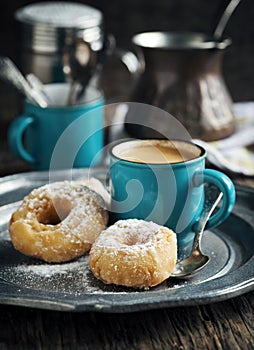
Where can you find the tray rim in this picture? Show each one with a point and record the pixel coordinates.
(215, 290)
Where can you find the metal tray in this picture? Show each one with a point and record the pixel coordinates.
(71, 286)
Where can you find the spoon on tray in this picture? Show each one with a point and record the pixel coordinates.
(197, 260)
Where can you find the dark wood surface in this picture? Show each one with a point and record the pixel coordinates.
(226, 325)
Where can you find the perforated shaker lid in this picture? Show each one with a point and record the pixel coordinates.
(48, 26)
(59, 15)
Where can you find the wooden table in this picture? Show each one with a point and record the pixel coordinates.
(224, 325)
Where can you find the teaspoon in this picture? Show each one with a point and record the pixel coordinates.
(79, 62)
(37, 84)
(12, 75)
(197, 260)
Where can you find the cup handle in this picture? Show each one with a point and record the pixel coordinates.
(226, 186)
(15, 137)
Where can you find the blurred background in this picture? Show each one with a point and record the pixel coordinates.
(125, 18)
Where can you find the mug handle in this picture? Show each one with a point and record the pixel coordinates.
(15, 137)
(226, 186)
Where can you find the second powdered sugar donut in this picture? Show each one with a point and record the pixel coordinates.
(134, 253)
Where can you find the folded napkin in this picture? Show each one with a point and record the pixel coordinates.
(235, 153)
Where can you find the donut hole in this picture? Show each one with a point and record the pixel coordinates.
(53, 213)
(133, 239)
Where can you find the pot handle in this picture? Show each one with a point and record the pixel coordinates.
(134, 63)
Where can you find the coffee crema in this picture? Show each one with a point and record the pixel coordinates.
(156, 151)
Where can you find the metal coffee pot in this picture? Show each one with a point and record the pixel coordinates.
(183, 76)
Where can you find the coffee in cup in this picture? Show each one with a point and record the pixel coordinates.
(157, 152)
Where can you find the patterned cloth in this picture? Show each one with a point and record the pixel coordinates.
(235, 153)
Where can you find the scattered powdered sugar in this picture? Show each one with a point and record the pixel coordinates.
(70, 278)
(49, 270)
(76, 277)
(73, 278)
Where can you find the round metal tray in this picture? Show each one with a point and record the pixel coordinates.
(71, 286)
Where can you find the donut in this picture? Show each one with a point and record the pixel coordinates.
(97, 186)
(58, 222)
(134, 253)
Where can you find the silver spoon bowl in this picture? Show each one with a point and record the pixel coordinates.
(197, 259)
(80, 63)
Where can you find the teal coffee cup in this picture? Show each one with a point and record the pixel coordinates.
(76, 132)
(163, 181)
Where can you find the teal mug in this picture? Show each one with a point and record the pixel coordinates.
(163, 181)
(34, 135)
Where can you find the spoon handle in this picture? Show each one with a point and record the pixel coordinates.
(38, 86)
(11, 74)
(224, 18)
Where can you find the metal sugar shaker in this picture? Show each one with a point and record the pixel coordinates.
(48, 27)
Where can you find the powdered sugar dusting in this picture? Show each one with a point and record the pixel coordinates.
(62, 194)
(70, 278)
(130, 234)
(49, 270)
(134, 253)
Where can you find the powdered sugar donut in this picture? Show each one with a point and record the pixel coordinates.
(134, 253)
(58, 222)
(97, 186)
